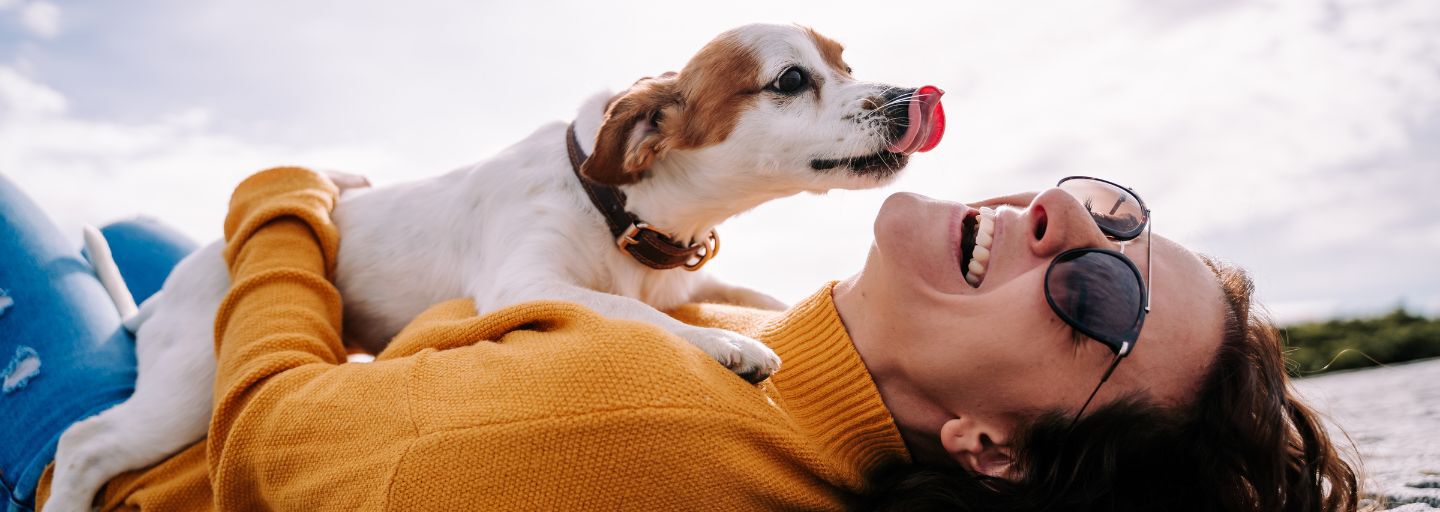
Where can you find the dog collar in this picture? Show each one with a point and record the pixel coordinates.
(632, 235)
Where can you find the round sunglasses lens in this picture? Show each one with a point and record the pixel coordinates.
(1116, 210)
(1096, 291)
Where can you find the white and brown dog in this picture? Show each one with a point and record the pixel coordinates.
(761, 112)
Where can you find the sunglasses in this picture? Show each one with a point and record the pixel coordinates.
(1099, 291)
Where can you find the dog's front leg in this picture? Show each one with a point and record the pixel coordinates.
(711, 289)
(743, 355)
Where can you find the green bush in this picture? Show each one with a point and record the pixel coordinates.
(1394, 337)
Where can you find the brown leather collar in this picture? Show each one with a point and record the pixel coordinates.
(644, 243)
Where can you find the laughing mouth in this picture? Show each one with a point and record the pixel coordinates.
(977, 233)
(883, 163)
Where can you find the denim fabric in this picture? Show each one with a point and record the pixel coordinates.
(62, 348)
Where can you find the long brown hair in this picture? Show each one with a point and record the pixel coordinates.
(1246, 443)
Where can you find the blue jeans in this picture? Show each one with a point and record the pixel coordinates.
(63, 352)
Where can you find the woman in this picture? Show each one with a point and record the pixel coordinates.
(903, 387)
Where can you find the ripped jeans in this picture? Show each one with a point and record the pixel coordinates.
(63, 352)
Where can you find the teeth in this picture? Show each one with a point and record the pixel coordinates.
(982, 254)
(977, 268)
(980, 258)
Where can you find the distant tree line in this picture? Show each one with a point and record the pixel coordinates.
(1397, 336)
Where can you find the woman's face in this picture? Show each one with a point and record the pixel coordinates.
(961, 367)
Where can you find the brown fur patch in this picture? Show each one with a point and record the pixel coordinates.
(715, 86)
(830, 50)
(696, 108)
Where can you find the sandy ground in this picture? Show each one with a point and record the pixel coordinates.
(1392, 415)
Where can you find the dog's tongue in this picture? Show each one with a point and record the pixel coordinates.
(927, 122)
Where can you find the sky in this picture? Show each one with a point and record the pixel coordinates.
(1297, 138)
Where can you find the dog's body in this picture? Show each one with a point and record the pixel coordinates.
(527, 200)
(520, 227)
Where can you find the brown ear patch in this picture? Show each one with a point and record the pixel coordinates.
(630, 138)
(695, 108)
(830, 50)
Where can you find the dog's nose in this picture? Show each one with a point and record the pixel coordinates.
(896, 110)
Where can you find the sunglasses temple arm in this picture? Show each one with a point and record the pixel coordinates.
(1149, 263)
(1113, 364)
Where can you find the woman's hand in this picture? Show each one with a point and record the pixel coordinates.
(346, 181)
(1018, 200)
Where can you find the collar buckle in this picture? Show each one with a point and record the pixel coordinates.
(641, 233)
(627, 238)
(712, 247)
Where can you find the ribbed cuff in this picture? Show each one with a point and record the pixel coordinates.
(283, 192)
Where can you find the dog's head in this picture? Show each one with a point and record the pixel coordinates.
(766, 103)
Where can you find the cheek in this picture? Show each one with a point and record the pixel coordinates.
(773, 135)
(846, 121)
(1018, 355)
(822, 122)
(793, 131)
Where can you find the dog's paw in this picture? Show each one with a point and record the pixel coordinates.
(748, 358)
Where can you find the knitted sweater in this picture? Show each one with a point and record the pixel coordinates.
(539, 406)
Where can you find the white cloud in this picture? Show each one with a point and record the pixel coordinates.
(92, 172)
(1300, 138)
(41, 18)
(21, 97)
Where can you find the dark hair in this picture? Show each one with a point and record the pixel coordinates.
(1246, 443)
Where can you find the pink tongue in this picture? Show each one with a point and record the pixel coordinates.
(927, 122)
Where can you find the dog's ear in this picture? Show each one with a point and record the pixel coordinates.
(632, 135)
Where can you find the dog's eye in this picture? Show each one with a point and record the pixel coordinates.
(791, 81)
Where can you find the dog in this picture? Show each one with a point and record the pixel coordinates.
(760, 112)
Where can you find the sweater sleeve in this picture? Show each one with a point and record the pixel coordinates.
(277, 335)
(280, 246)
(280, 313)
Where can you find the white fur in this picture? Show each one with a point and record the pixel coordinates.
(515, 228)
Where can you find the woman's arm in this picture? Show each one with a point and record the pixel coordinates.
(290, 311)
(288, 416)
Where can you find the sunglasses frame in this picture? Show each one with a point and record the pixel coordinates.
(1121, 344)
(1118, 236)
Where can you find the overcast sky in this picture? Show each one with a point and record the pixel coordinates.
(1299, 138)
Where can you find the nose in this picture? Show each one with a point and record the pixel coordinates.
(894, 109)
(886, 99)
(1058, 223)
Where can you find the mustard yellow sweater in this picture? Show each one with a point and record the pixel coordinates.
(540, 406)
